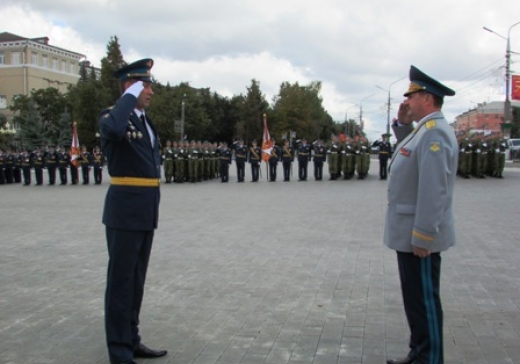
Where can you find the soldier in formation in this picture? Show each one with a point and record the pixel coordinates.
(287, 159)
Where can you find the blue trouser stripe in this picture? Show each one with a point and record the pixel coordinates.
(431, 312)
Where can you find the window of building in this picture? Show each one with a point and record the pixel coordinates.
(2, 58)
(34, 58)
(15, 58)
(63, 65)
(72, 68)
(45, 61)
(55, 64)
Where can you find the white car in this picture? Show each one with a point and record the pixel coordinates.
(514, 148)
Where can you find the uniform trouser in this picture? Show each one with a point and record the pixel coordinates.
(9, 175)
(241, 170)
(2, 176)
(179, 170)
(63, 175)
(85, 170)
(318, 170)
(302, 170)
(420, 282)
(272, 170)
(17, 174)
(52, 174)
(192, 169)
(26, 175)
(128, 253)
(333, 165)
(349, 165)
(38, 174)
(286, 170)
(383, 161)
(73, 174)
(255, 169)
(224, 171)
(168, 170)
(98, 174)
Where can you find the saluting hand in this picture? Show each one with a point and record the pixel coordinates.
(402, 115)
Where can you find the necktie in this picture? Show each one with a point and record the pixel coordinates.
(145, 127)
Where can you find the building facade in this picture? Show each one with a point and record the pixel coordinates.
(487, 117)
(32, 63)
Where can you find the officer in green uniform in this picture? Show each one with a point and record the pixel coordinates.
(333, 154)
(193, 158)
(167, 158)
(348, 159)
(465, 152)
(500, 157)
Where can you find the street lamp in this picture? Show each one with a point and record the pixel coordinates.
(347, 127)
(507, 104)
(388, 105)
(361, 111)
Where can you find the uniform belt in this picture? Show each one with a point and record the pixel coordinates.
(135, 181)
(383, 152)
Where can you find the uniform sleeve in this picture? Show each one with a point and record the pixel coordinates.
(114, 121)
(434, 155)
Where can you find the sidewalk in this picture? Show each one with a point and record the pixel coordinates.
(252, 273)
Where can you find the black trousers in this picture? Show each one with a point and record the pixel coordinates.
(286, 170)
(420, 281)
(272, 171)
(383, 161)
(98, 175)
(63, 175)
(129, 253)
(73, 174)
(241, 170)
(302, 170)
(318, 170)
(224, 171)
(85, 170)
(255, 169)
(38, 173)
(26, 175)
(52, 174)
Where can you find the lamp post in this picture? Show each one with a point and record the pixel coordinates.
(347, 126)
(507, 104)
(182, 117)
(361, 111)
(388, 105)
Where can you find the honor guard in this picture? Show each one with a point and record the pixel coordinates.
(255, 157)
(99, 162)
(17, 173)
(26, 167)
(225, 161)
(9, 167)
(63, 164)
(274, 157)
(2, 167)
(240, 160)
(320, 154)
(304, 156)
(38, 164)
(334, 153)
(287, 159)
(51, 162)
(168, 164)
(86, 163)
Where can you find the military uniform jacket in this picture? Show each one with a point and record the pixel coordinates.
(420, 188)
(304, 153)
(287, 154)
(255, 154)
(320, 153)
(130, 153)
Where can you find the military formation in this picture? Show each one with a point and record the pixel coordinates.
(54, 165)
(481, 156)
(196, 161)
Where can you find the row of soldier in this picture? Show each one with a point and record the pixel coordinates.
(193, 161)
(481, 156)
(16, 166)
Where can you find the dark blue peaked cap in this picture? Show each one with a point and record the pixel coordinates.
(420, 81)
(139, 70)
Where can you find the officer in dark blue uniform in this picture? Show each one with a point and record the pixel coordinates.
(385, 150)
(304, 156)
(240, 160)
(320, 155)
(130, 143)
(255, 157)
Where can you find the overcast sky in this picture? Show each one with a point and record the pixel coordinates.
(350, 46)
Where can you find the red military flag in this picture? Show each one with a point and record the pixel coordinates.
(515, 89)
(74, 148)
(267, 145)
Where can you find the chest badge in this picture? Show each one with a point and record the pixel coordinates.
(405, 152)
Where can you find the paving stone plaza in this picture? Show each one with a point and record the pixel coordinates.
(278, 273)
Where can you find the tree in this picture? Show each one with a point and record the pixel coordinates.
(109, 64)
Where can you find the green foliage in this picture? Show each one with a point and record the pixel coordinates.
(109, 64)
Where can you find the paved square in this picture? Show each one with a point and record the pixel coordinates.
(256, 273)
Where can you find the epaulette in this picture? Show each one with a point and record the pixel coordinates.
(430, 124)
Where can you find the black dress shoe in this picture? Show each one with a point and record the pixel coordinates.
(405, 360)
(143, 351)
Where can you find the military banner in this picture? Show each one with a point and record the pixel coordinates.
(267, 145)
(74, 147)
(515, 87)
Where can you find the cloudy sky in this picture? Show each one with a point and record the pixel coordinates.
(350, 46)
